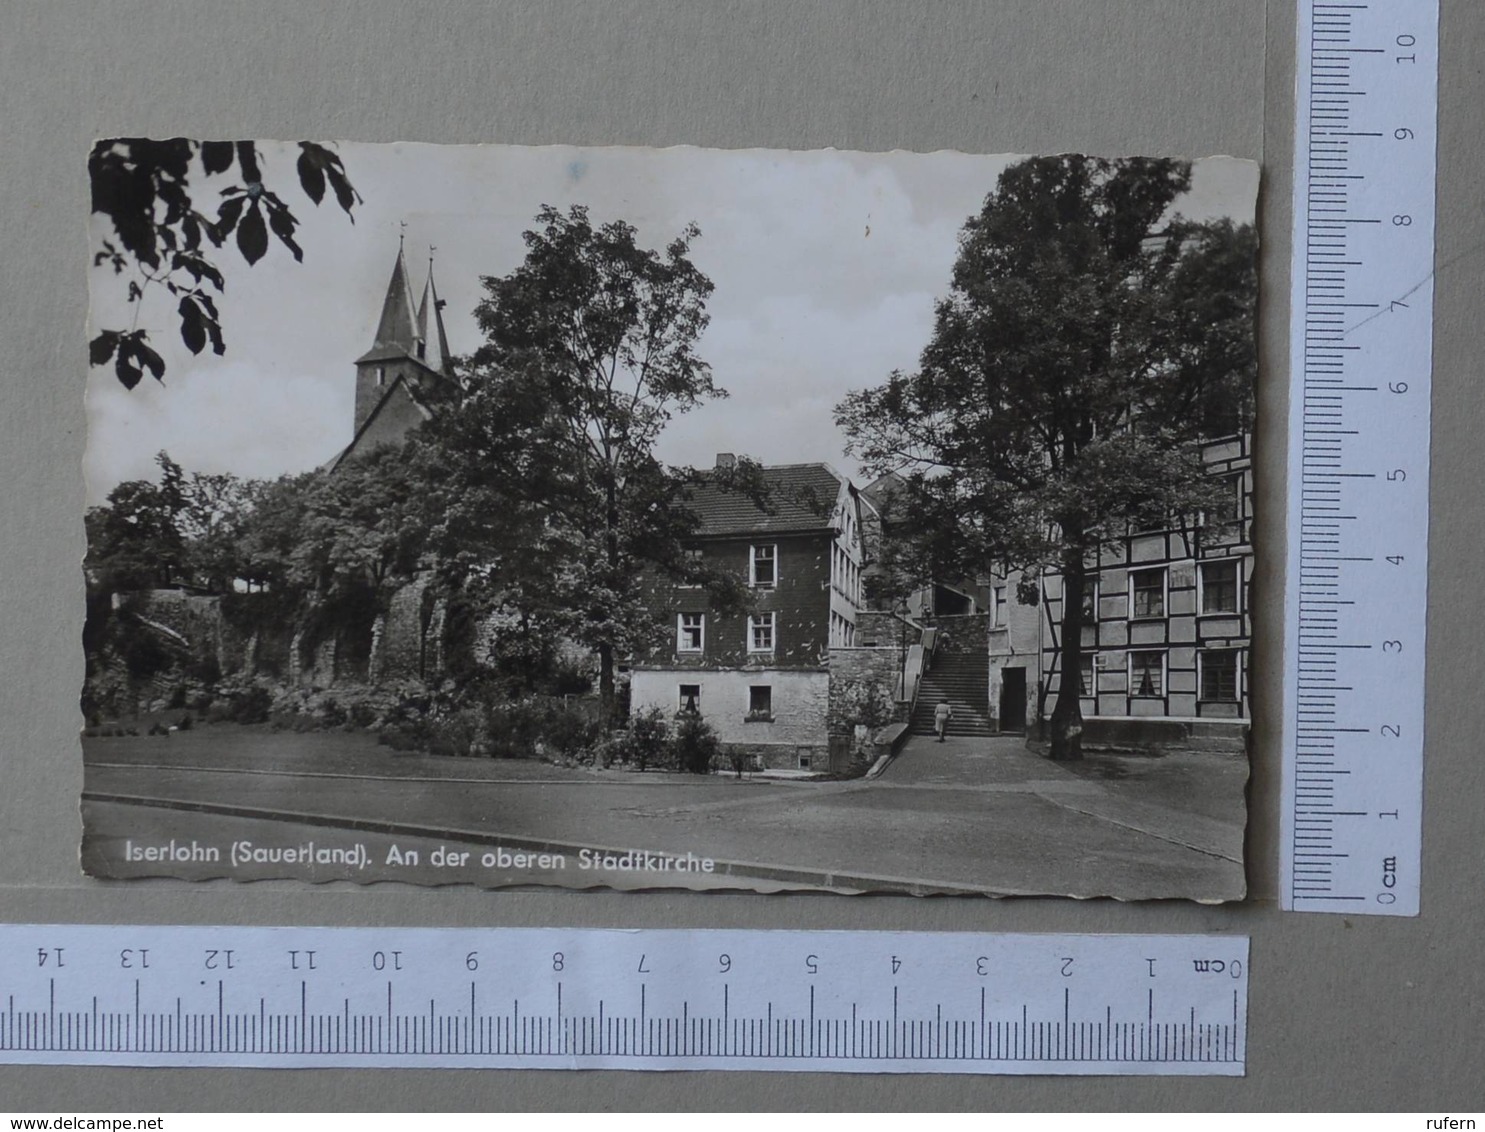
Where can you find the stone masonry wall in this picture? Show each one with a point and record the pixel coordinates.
(967, 633)
(848, 667)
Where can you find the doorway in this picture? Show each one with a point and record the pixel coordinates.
(1013, 699)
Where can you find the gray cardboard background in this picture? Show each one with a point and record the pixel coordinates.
(1346, 1013)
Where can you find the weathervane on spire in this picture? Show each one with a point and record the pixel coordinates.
(401, 234)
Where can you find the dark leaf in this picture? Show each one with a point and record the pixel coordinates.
(345, 195)
(282, 221)
(126, 371)
(192, 327)
(311, 175)
(101, 348)
(247, 157)
(152, 361)
(213, 328)
(227, 217)
(216, 157)
(198, 268)
(252, 235)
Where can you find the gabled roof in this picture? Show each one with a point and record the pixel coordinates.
(802, 497)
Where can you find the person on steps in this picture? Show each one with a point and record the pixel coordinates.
(941, 716)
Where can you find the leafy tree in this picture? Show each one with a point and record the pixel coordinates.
(556, 501)
(362, 528)
(185, 528)
(1090, 339)
(163, 236)
(134, 539)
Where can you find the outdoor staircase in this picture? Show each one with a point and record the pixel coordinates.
(964, 680)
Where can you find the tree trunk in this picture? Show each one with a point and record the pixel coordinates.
(606, 696)
(1067, 716)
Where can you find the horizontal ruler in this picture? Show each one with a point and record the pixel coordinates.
(914, 1002)
(1361, 363)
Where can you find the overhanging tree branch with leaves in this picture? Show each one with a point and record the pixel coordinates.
(164, 238)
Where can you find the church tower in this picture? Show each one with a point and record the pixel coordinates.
(407, 369)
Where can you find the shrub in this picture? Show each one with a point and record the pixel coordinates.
(739, 758)
(648, 734)
(568, 727)
(696, 745)
(454, 734)
(332, 714)
(252, 705)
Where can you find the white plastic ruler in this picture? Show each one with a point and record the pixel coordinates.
(914, 1002)
(1361, 361)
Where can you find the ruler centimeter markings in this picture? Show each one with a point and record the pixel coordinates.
(913, 1002)
(1360, 365)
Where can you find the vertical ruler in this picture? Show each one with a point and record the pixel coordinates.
(567, 998)
(1361, 359)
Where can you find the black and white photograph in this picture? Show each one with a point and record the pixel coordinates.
(669, 518)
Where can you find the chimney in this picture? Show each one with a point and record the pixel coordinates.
(726, 460)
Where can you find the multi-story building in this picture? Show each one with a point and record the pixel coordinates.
(1167, 625)
(761, 677)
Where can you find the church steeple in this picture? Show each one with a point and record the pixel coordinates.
(400, 354)
(398, 327)
(436, 345)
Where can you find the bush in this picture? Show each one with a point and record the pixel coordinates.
(647, 742)
(456, 734)
(696, 745)
(252, 705)
(333, 715)
(569, 728)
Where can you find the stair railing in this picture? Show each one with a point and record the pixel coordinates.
(915, 664)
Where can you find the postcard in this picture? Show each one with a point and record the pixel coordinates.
(640, 518)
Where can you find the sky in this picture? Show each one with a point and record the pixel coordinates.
(826, 266)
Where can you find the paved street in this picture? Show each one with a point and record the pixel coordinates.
(968, 815)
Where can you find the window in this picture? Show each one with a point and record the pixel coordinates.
(690, 633)
(760, 702)
(763, 568)
(690, 699)
(1147, 593)
(691, 566)
(804, 762)
(381, 376)
(760, 632)
(1219, 586)
(1147, 673)
(1219, 674)
(1087, 685)
(1090, 600)
(1000, 605)
(1230, 510)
